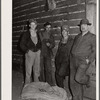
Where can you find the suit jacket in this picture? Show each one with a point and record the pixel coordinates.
(27, 44)
(85, 46)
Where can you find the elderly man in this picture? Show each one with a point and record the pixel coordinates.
(82, 54)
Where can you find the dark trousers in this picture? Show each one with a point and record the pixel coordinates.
(62, 70)
(78, 77)
(59, 80)
(46, 70)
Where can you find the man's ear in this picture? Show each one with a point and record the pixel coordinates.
(89, 27)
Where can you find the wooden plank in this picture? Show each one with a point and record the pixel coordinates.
(63, 16)
(76, 15)
(19, 52)
(19, 13)
(70, 23)
(74, 31)
(17, 28)
(20, 23)
(23, 2)
(30, 12)
(29, 6)
(20, 19)
(61, 10)
(59, 18)
(16, 57)
(73, 22)
(68, 2)
(54, 12)
(57, 24)
(15, 38)
(53, 19)
(69, 9)
(17, 33)
(75, 8)
(14, 47)
(15, 2)
(14, 43)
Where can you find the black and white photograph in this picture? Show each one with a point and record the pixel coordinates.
(53, 47)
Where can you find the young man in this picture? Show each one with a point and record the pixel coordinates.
(82, 54)
(31, 45)
(48, 44)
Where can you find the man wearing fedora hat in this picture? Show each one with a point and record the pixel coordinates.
(82, 54)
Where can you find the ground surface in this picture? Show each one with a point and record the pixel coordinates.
(17, 84)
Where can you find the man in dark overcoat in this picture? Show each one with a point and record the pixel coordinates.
(83, 53)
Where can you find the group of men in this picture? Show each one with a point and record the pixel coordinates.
(38, 54)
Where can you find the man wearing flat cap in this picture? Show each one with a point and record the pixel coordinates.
(48, 44)
(83, 53)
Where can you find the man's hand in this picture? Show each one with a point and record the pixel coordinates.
(48, 44)
(87, 60)
(88, 83)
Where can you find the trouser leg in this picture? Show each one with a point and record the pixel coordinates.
(76, 88)
(42, 77)
(59, 80)
(29, 60)
(36, 67)
(66, 87)
(48, 71)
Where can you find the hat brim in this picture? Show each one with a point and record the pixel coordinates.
(86, 23)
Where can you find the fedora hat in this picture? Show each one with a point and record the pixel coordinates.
(84, 21)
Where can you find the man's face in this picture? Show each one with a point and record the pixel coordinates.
(48, 27)
(33, 25)
(65, 33)
(84, 27)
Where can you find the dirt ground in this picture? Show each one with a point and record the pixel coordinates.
(17, 85)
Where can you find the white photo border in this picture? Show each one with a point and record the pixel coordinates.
(6, 50)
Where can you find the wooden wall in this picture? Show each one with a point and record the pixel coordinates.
(71, 11)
